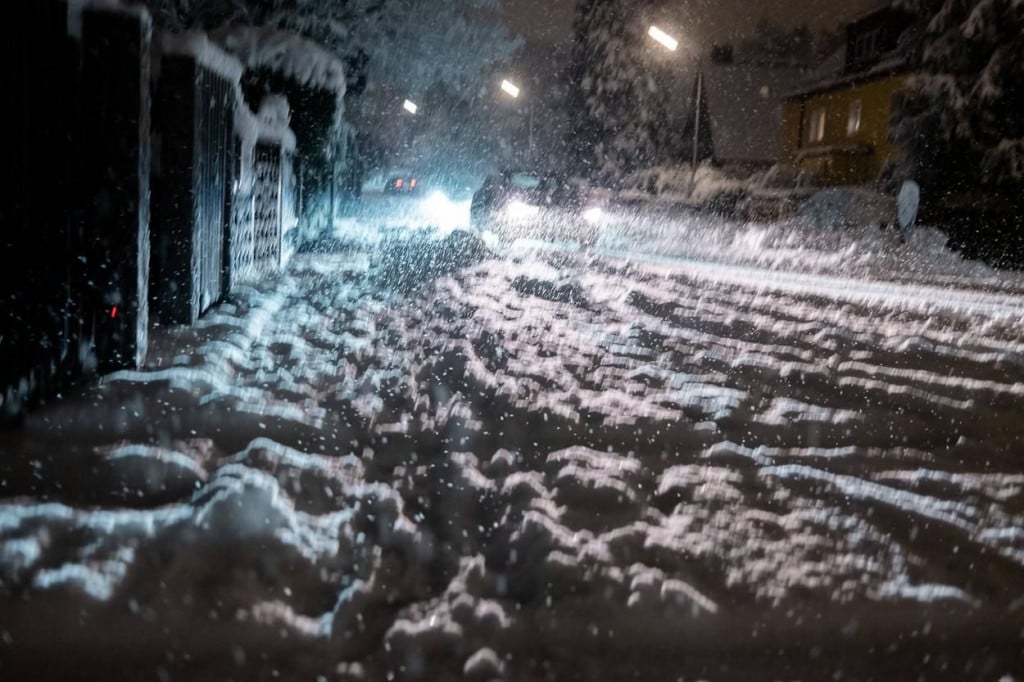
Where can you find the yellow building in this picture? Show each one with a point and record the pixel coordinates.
(839, 126)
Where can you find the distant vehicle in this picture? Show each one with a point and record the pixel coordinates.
(778, 194)
(402, 184)
(535, 204)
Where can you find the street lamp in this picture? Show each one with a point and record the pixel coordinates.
(510, 89)
(663, 38)
(671, 44)
(513, 91)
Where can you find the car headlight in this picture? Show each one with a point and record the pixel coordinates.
(442, 212)
(519, 210)
(594, 215)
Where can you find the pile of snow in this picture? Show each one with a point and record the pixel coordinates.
(846, 233)
(555, 466)
(409, 259)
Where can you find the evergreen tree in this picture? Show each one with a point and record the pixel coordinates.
(960, 124)
(620, 110)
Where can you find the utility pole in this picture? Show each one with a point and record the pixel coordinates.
(696, 119)
(532, 159)
(671, 44)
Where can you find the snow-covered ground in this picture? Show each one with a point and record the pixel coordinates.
(419, 460)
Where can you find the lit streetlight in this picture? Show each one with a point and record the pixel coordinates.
(513, 91)
(663, 38)
(671, 44)
(510, 89)
(410, 107)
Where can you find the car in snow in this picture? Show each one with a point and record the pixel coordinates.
(778, 194)
(539, 205)
(848, 208)
(402, 184)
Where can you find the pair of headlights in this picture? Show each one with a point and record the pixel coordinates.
(520, 210)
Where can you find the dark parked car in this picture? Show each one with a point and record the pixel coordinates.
(515, 204)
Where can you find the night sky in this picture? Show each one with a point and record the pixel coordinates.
(707, 21)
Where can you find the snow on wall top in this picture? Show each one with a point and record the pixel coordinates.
(198, 46)
(274, 118)
(292, 55)
(247, 125)
(76, 7)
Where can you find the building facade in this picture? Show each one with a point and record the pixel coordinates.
(837, 127)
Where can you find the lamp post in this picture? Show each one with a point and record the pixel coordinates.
(513, 91)
(671, 44)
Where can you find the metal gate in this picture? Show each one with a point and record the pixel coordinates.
(195, 121)
(240, 223)
(268, 195)
(214, 100)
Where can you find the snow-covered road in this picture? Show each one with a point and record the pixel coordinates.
(552, 465)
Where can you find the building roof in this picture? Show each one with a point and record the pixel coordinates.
(891, 66)
(839, 71)
(744, 104)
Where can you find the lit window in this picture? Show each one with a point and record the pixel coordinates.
(853, 121)
(817, 130)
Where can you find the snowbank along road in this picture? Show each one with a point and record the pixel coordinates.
(551, 465)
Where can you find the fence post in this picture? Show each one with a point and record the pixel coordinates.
(115, 121)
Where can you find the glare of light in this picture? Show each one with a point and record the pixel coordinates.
(410, 107)
(510, 88)
(663, 38)
(442, 212)
(520, 210)
(593, 215)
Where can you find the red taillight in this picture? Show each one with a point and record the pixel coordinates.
(399, 183)
(113, 313)
(412, 184)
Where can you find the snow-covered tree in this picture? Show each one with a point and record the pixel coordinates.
(960, 125)
(620, 112)
(409, 43)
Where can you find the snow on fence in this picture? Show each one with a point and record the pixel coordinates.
(76, 212)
